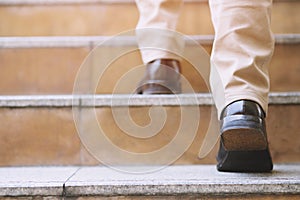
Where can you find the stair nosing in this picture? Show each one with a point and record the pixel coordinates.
(93, 41)
(60, 2)
(109, 100)
(69, 2)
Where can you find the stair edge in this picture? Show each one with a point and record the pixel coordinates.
(108, 100)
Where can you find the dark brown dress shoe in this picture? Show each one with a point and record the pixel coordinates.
(162, 76)
(244, 144)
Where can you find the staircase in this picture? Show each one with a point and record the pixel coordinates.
(42, 46)
(190, 182)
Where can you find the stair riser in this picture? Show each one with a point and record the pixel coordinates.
(47, 136)
(23, 70)
(95, 19)
(40, 71)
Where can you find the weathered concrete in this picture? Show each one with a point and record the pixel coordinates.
(128, 100)
(180, 180)
(87, 41)
(34, 181)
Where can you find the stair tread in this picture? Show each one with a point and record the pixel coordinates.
(88, 41)
(104, 181)
(58, 2)
(107, 100)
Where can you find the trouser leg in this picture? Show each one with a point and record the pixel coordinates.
(241, 52)
(163, 15)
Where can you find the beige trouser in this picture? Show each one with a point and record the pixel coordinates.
(241, 52)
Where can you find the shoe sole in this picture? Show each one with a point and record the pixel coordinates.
(244, 145)
(246, 161)
(243, 133)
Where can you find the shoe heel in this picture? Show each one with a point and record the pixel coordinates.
(243, 133)
(244, 161)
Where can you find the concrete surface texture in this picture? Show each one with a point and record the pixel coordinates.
(172, 180)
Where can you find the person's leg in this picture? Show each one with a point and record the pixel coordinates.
(242, 50)
(241, 53)
(159, 45)
(160, 15)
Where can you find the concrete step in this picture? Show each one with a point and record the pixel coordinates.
(173, 182)
(93, 17)
(40, 130)
(26, 60)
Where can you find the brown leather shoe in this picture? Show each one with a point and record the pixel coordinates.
(162, 76)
